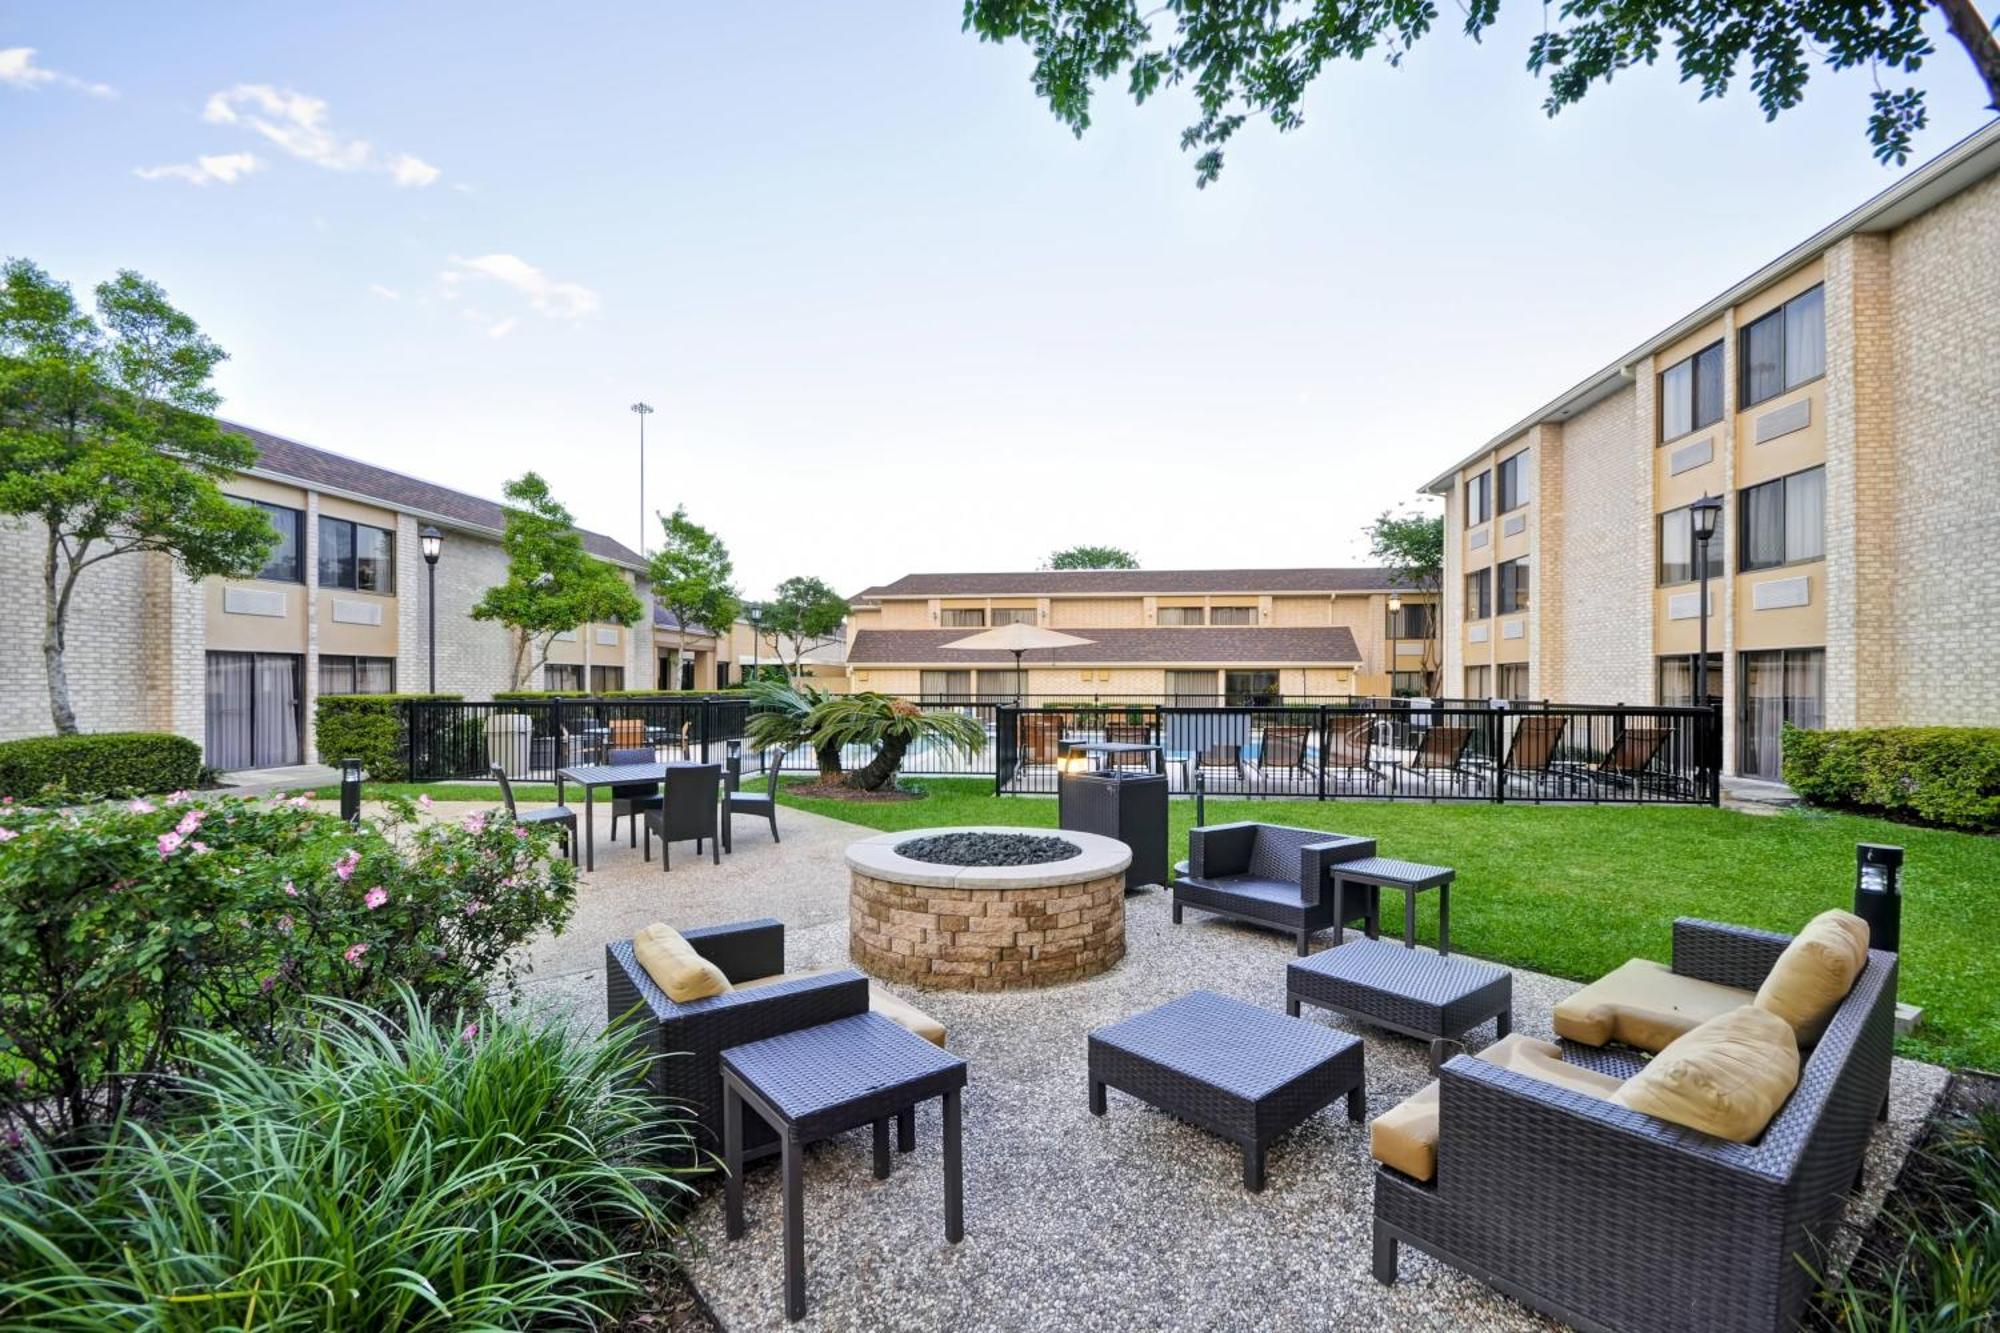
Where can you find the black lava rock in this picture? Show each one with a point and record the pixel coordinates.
(988, 849)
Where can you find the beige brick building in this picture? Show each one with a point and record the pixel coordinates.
(1844, 403)
(342, 607)
(1209, 635)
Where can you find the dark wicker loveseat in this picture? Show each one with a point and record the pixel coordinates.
(1273, 876)
(1609, 1219)
(692, 1036)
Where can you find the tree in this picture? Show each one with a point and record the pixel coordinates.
(107, 437)
(1411, 547)
(806, 614)
(690, 574)
(782, 716)
(1258, 57)
(888, 726)
(1094, 557)
(553, 585)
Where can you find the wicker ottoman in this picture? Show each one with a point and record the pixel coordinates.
(1234, 1069)
(1405, 990)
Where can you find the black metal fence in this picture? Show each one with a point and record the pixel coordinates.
(1318, 750)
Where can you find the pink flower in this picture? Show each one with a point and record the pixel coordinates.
(475, 823)
(475, 907)
(8, 835)
(285, 923)
(169, 844)
(344, 867)
(199, 846)
(142, 806)
(290, 890)
(520, 830)
(354, 952)
(470, 1031)
(375, 897)
(424, 800)
(189, 822)
(178, 798)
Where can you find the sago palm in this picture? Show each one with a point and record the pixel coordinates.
(781, 717)
(890, 727)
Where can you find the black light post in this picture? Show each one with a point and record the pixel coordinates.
(756, 632)
(1878, 893)
(642, 411)
(432, 542)
(1704, 512)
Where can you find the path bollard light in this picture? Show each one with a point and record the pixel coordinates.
(350, 790)
(733, 764)
(1878, 893)
(1200, 799)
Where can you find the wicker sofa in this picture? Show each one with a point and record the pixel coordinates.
(1273, 876)
(1609, 1219)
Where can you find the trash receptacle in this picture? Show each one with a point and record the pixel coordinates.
(1131, 807)
(507, 736)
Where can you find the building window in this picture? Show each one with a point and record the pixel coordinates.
(1179, 615)
(1195, 689)
(1776, 688)
(1783, 521)
(1479, 594)
(1691, 393)
(287, 561)
(562, 676)
(1478, 499)
(1412, 620)
(1250, 689)
(944, 684)
(1676, 535)
(356, 675)
(1513, 585)
(356, 556)
(1232, 615)
(1406, 684)
(1676, 679)
(606, 678)
(1785, 348)
(1478, 682)
(962, 618)
(1002, 686)
(1513, 480)
(1013, 615)
(1514, 681)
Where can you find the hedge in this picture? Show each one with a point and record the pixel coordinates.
(368, 727)
(1944, 776)
(105, 763)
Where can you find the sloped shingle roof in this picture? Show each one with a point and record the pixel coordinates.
(1317, 645)
(1134, 582)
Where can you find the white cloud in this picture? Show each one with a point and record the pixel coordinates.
(19, 70)
(386, 293)
(297, 123)
(547, 296)
(228, 168)
(503, 328)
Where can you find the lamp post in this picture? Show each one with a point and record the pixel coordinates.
(1395, 607)
(642, 410)
(432, 542)
(756, 632)
(1704, 512)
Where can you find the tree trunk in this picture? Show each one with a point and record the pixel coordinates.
(1976, 36)
(55, 625)
(828, 754)
(880, 771)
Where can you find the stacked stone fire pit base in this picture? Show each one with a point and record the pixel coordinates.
(986, 927)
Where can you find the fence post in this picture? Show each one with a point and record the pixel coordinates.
(1712, 752)
(1320, 768)
(410, 742)
(1494, 737)
(557, 743)
(702, 712)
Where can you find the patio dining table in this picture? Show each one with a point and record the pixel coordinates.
(592, 776)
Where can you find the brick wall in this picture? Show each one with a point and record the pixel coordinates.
(1598, 644)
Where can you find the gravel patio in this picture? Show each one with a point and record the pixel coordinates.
(1131, 1221)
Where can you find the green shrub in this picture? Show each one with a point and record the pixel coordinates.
(669, 696)
(106, 763)
(1944, 776)
(126, 928)
(368, 727)
(421, 1174)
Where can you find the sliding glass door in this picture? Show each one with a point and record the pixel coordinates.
(253, 710)
(1787, 685)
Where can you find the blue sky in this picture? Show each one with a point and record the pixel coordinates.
(891, 314)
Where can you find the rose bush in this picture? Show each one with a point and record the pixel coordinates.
(126, 926)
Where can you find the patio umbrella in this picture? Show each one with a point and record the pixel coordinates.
(1017, 639)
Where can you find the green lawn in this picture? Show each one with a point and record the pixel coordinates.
(1576, 890)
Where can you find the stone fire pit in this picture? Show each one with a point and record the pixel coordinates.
(1033, 921)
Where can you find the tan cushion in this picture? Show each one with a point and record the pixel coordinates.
(1728, 1077)
(1643, 1004)
(675, 967)
(886, 1003)
(1815, 972)
(1406, 1135)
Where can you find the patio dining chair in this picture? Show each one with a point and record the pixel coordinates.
(560, 815)
(689, 808)
(758, 804)
(1041, 737)
(629, 733)
(630, 800)
(1129, 733)
(1443, 751)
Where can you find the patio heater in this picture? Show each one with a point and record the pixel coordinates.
(432, 542)
(1878, 893)
(350, 790)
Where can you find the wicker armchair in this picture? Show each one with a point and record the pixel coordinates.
(687, 1040)
(1271, 875)
(1606, 1218)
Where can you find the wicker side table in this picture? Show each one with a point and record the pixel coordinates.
(1405, 990)
(816, 1082)
(1233, 1069)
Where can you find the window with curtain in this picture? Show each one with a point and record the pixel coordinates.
(1232, 615)
(1412, 620)
(1678, 548)
(1478, 682)
(1691, 393)
(1194, 688)
(1013, 615)
(1002, 686)
(1784, 521)
(1785, 348)
(1512, 479)
(1514, 681)
(1179, 615)
(340, 674)
(253, 710)
(1513, 585)
(287, 561)
(1676, 679)
(1479, 594)
(604, 678)
(356, 556)
(1777, 687)
(1478, 499)
(959, 617)
(1250, 689)
(562, 676)
(945, 684)
(1406, 684)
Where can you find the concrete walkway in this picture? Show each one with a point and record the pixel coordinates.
(1135, 1220)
